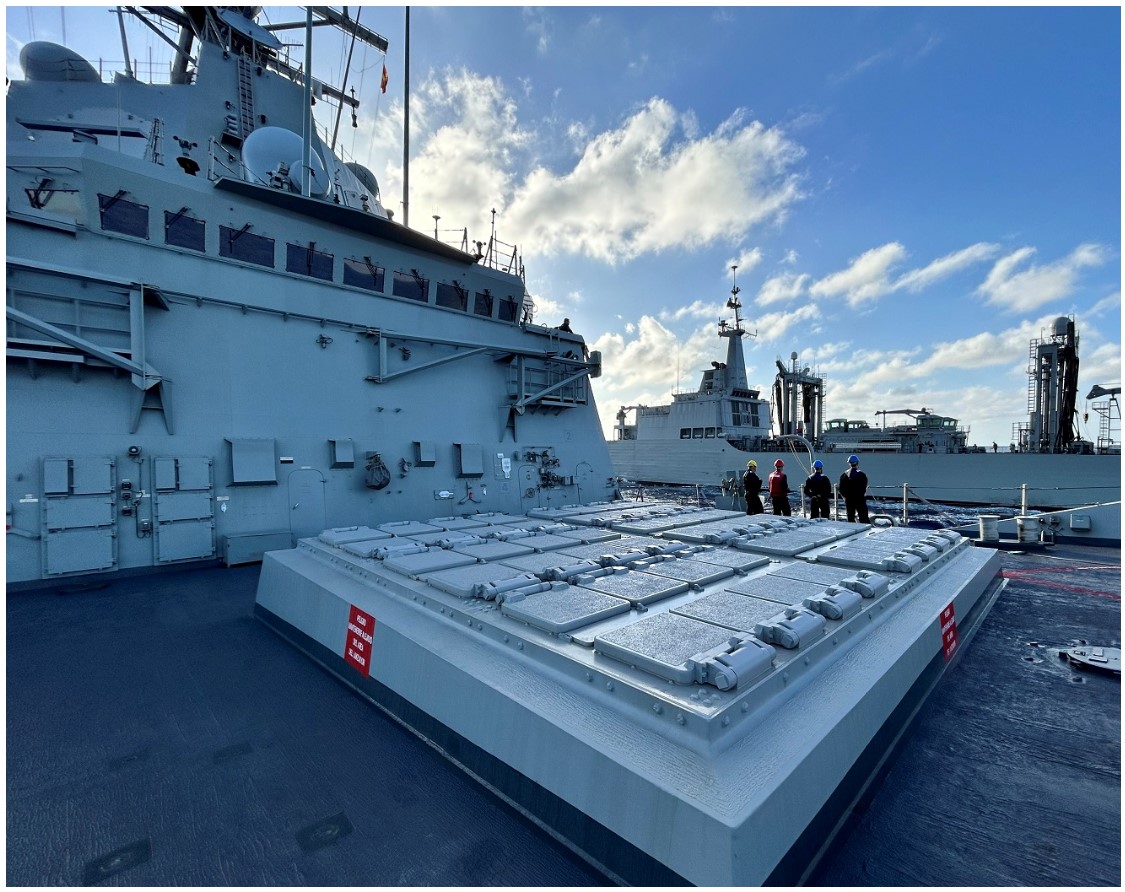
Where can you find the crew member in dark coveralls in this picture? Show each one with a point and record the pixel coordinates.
(853, 487)
(819, 490)
(779, 489)
(752, 486)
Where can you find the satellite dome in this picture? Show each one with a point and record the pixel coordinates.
(365, 177)
(45, 61)
(268, 149)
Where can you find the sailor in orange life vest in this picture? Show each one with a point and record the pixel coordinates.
(819, 490)
(853, 487)
(778, 487)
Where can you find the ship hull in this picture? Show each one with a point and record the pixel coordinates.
(1052, 481)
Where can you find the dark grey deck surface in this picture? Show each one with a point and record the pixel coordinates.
(158, 735)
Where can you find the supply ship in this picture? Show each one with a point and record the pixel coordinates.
(223, 350)
(706, 436)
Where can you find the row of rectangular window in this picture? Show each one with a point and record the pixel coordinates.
(182, 231)
(700, 433)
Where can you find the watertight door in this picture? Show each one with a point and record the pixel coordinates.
(306, 503)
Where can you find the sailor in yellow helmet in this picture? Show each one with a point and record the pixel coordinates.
(752, 487)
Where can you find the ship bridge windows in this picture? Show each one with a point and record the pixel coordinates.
(412, 285)
(241, 244)
(363, 273)
(453, 295)
(744, 413)
(306, 260)
(121, 215)
(509, 309)
(482, 303)
(184, 231)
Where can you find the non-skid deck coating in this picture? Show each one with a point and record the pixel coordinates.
(158, 735)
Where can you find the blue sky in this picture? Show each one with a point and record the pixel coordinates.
(911, 194)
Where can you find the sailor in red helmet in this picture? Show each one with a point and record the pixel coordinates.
(778, 487)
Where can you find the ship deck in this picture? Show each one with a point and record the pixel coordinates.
(158, 734)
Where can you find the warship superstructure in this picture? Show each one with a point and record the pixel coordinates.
(222, 348)
(210, 355)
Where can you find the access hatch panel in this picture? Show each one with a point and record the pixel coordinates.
(730, 609)
(777, 589)
(636, 587)
(565, 609)
(664, 644)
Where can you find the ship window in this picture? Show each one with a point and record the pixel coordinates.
(452, 295)
(482, 305)
(184, 231)
(709, 433)
(697, 433)
(509, 310)
(362, 273)
(412, 285)
(240, 244)
(305, 260)
(120, 215)
(685, 433)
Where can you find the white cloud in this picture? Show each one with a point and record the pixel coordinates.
(783, 287)
(773, 327)
(918, 279)
(639, 189)
(1105, 305)
(697, 309)
(1023, 290)
(746, 261)
(649, 185)
(866, 278)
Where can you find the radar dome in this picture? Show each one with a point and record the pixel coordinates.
(44, 61)
(1059, 328)
(268, 149)
(365, 177)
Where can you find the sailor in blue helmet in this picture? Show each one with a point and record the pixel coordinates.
(853, 487)
(819, 490)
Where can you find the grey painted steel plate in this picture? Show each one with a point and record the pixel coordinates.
(779, 589)
(699, 532)
(364, 547)
(788, 543)
(493, 551)
(662, 644)
(730, 609)
(636, 586)
(589, 534)
(427, 562)
(562, 610)
(458, 523)
(460, 581)
(822, 574)
(540, 563)
(408, 528)
(592, 552)
(653, 525)
(689, 571)
(544, 542)
(739, 561)
(351, 534)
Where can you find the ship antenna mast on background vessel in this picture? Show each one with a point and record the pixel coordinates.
(736, 363)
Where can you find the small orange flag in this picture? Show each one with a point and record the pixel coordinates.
(383, 82)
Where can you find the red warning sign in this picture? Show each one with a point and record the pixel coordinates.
(357, 649)
(948, 631)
